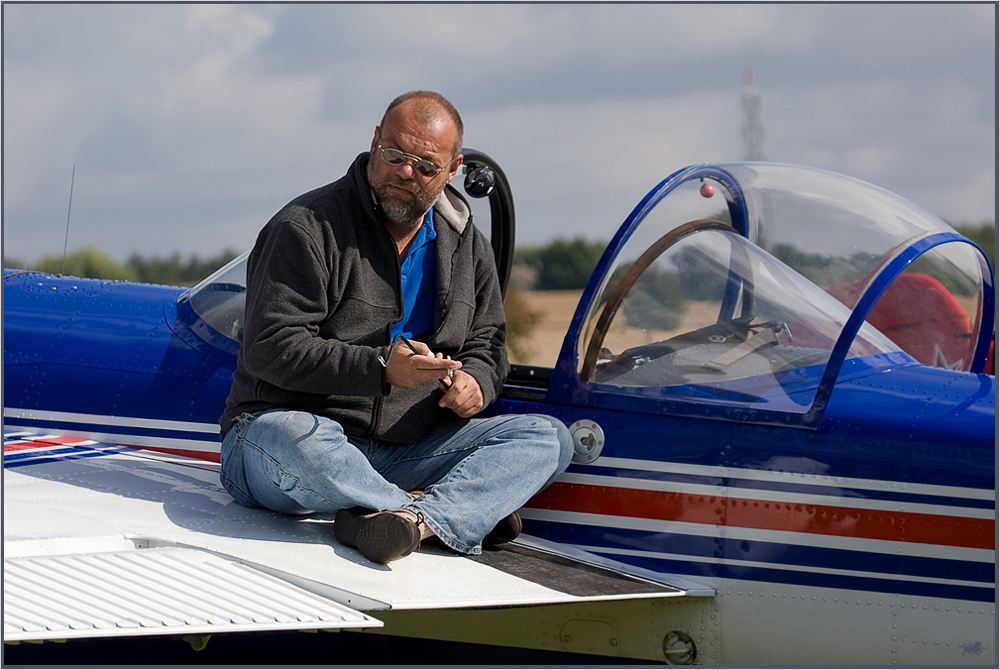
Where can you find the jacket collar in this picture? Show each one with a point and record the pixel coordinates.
(453, 208)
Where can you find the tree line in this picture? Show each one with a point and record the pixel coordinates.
(562, 264)
(96, 264)
(985, 235)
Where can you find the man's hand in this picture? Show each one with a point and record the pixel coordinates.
(462, 395)
(409, 368)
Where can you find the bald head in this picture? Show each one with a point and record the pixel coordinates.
(430, 108)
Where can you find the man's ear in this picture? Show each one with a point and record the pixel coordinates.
(456, 163)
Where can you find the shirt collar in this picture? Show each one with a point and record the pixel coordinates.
(427, 230)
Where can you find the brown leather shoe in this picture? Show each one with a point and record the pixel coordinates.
(506, 530)
(379, 536)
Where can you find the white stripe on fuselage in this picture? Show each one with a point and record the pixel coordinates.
(106, 420)
(779, 566)
(727, 473)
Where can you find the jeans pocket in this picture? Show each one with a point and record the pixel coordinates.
(243, 420)
(232, 474)
(287, 482)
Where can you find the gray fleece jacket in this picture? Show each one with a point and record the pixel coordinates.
(323, 289)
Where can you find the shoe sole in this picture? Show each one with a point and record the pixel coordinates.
(345, 524)
(380, 537)
(506, 530)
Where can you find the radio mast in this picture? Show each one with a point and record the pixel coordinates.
(753, 131)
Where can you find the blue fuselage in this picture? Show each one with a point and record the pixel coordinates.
(896, 450)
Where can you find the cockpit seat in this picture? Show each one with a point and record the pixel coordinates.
(920, 315)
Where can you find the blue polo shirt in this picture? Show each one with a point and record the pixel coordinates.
(419, 281)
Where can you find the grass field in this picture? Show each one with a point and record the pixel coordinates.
(556, 309)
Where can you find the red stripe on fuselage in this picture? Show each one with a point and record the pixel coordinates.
(59, 441)
(210, 456)
(21, 446)
(44, 443)
(763, 515)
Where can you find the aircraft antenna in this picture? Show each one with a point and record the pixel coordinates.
(753, 130)
(69, 211)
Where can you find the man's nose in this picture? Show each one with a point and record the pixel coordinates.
(405, 170)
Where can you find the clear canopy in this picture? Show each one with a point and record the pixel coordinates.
(220, 299)
(839, 232)
(706, 309)
(735, 285)
(834, 231)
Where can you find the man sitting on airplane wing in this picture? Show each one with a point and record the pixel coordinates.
(374, 334)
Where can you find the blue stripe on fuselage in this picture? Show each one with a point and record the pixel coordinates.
(80, 427)
(44, 455)
(728, 558)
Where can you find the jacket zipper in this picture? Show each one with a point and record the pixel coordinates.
(376, 416)
(379, 401)
(451, 294)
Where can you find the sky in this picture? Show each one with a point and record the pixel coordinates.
(184, 127)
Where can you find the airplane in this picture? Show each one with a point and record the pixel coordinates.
(781, 390)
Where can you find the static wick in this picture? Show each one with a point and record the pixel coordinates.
(69, 211)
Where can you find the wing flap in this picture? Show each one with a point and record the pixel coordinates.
(165, 590)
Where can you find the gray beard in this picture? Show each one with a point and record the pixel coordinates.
(397, 210)
(401, 212)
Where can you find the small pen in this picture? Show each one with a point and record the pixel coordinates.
(400, 336)
(408, 343)
(392, 347)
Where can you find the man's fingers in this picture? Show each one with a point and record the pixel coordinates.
(462, 396)
(413, 363)
(431, 363)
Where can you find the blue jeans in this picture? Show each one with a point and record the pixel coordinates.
(473, 472)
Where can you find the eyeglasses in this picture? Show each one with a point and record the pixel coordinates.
(397, 157)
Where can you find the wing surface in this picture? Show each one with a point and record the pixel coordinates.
(102, 540)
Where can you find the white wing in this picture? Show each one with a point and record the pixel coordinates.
(104, 541)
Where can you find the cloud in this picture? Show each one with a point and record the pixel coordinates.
(209, 82)
(189, 125)
(580, 171)
(221, 80)
(962, 200)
